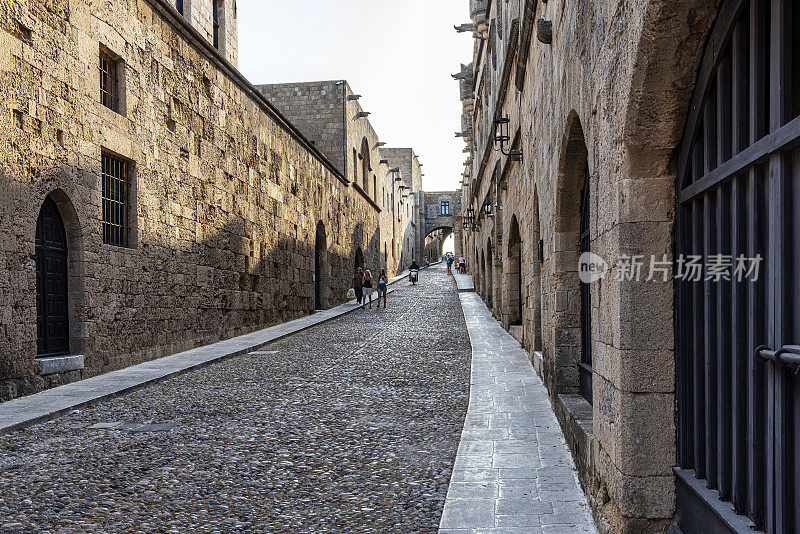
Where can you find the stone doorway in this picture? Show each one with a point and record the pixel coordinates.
(515, 294)
(321, 268)
(52, 288)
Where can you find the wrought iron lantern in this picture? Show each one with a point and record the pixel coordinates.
(487, 208)
(502, 136)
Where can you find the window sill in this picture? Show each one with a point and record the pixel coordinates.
(575, 417)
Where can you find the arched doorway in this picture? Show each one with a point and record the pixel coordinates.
(585, 367)
(52, 292)
(321, 268)
(359, 259)
(482, 276)
(573, 221)
(514, 270)
(737, 336)
(489, 269)
(536, 278)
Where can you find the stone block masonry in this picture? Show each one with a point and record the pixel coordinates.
(589, 117)
(225, 197)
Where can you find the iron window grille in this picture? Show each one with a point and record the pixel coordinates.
(109, 88)
(115, 198)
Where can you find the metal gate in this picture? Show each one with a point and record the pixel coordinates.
(52, 312)
(737, 334)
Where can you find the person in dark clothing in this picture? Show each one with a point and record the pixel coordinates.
(358, 280)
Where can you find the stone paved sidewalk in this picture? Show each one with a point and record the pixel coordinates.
(464, 282)
(513, 472)
(58, 401)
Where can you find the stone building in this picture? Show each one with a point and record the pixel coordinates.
(410, 240)
(330, 115)
(635, 131)
(216, 21)
(151, 199)
(441, 209)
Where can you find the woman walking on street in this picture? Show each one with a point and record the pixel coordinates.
(366, 284)
(358, 280)
(383, 282)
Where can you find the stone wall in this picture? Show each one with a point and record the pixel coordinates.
(410, 241)
(225, 201)
(330, 115)
(604, 104)
(434, 243)
(317, 109)
(434, 219)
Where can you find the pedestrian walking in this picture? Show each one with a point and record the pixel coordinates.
(449, 264)
(383, 283)
(366, 285)
(462, 265)
(358, 280)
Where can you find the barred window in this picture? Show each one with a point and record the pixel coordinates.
(116, 202)
(109, 83)
(445, 207)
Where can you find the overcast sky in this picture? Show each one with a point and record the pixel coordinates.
(398, 54)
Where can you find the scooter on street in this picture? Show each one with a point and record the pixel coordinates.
(413, 276)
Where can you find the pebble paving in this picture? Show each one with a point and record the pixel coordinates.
(350, 426)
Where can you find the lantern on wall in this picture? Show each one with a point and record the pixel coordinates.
(502, 137)
(487, 208)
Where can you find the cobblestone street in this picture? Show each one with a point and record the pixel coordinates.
(350, 426)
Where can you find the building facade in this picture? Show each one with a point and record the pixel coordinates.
(330, 115)
(407, 177)
(151, 199)
(645, 133)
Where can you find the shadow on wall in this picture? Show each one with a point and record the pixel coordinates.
(209, 277)
(370, 248)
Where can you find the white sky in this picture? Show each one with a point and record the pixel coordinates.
(398, 54)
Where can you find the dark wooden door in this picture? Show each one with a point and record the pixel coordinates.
(737, 336)
(320, 255)
(52, 313)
